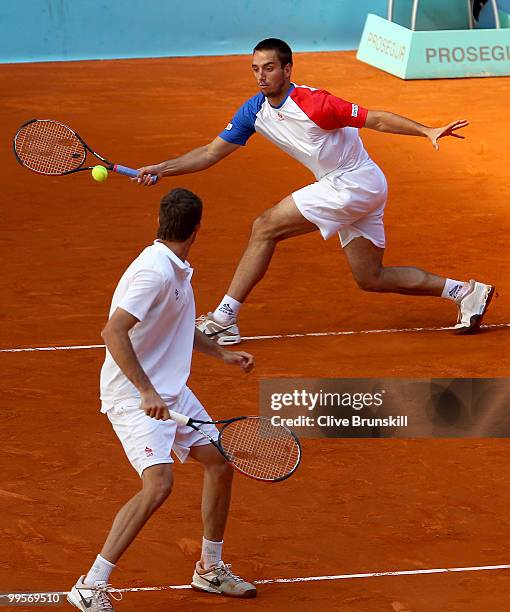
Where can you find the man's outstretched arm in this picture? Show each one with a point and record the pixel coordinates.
(383, 121)
(194, 161)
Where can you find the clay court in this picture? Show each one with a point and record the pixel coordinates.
(354, 507)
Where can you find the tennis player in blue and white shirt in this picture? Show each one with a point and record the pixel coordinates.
(348, 196)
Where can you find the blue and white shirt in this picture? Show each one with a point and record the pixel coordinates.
(313, 126)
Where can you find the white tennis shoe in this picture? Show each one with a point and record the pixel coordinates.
(222, 334)
(92, 598)
(220, 579)
(472, 307)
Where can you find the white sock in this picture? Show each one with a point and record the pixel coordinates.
(211, 553)
(227, 311)
(100, 571)
(453, 290)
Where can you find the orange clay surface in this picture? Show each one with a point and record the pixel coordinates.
(354, 506)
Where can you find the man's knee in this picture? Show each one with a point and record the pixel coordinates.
(368, 282)
(270, 225)
(262, 228)
(156, 489)
(222, 470)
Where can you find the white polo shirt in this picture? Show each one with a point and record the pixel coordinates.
(156, 289)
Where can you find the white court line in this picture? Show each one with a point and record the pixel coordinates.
(52, 348)
(273, 337)
(441, 570)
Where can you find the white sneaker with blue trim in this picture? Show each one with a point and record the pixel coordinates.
(472, 307)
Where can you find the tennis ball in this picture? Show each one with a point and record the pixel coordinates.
(99, 173)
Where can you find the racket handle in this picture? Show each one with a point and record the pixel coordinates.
(179, 418)
(130, 172)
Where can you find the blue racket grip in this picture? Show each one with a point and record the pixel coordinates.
(130, 172)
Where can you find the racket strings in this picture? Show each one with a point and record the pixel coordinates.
(261, 449)
(49, 147)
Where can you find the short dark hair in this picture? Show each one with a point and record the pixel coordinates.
(282, 49)
(180, 212)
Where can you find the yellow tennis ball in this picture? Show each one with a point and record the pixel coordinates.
(99, 173)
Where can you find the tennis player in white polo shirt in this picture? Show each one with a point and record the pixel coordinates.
(149, 338)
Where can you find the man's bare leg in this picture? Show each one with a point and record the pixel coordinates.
(216, 490)
(211, 574)
(278, 223)
(365, 260)
(472, 298)
(157, 485)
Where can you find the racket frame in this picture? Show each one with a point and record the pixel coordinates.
(182, 419)
(131, 172)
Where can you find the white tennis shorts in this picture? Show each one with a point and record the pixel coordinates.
(350, 203)
(147, 441)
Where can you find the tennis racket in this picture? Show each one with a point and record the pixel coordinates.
(52, 148)
(254, 446)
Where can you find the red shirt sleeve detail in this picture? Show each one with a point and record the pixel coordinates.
(328, 111)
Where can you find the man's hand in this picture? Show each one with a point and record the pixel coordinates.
(154, 406)
(146, 172)
(434, 134)
(383, 121)
(239, 358)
